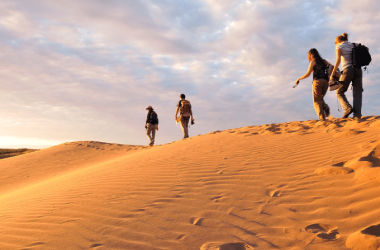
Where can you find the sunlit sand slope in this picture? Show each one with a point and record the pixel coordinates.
(298, 185)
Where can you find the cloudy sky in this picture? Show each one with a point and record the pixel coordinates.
(86, 69)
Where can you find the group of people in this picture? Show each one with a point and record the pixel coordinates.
(321, 77)
(185, 116)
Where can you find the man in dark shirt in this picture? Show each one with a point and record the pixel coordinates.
(151, 125)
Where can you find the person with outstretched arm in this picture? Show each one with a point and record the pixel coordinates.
(319, 67)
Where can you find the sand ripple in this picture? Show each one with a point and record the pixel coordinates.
(297, 185)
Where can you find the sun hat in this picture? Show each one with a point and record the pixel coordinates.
(149, 107)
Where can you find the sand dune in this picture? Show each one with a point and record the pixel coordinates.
(296, 185)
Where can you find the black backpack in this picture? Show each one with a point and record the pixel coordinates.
(153, 118)
(360, 56)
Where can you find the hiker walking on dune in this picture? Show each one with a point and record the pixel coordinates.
(151, 125)
(344, 54)
(184, 108)
(319, 67)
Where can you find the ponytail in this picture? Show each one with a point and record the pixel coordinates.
(342, 38)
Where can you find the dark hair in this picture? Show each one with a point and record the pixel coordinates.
(316, 56)
(342, 38)
(183, 96)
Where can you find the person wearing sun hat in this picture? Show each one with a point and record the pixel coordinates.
(151, 125)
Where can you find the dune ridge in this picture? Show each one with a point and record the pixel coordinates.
(295, 185)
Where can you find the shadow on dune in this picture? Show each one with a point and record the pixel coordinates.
(372, 230)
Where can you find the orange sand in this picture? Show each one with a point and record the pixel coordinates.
(297, 185)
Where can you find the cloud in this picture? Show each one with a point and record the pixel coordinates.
(86, 70)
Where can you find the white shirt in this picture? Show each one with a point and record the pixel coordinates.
(346, 49)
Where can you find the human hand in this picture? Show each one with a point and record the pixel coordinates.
(296, 83)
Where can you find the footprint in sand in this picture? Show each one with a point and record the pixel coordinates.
(36, 244)
(274, 193)
(333, 170)
(368, 239)
(96, 245)
(181, 237)
(324, 231)
(196, 221)
(216, 198)
(227, 246)
(367, 165)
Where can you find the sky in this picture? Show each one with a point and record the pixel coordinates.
(86, 70)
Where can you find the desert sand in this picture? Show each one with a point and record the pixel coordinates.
(296, 185)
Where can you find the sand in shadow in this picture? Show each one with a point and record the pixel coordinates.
(323, 231)
(368, 239)
(227, 246)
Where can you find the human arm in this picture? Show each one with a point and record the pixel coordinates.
(191, 115)
(176, 113)
(337, 62)
(308, 73)
(147, 120)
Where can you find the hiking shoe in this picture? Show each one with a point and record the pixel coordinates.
(327, 110)
(356, 115)
(347, 112)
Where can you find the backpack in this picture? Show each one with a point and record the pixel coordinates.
(153, 118)
(360, 56)
(185, 108)
(320, 71)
